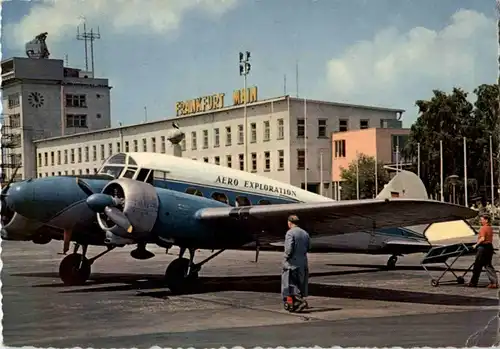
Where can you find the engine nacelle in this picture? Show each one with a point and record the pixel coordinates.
(140, 207)
(112, 239)
(17, 227)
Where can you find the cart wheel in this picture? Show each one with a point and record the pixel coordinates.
(460, 280)
(434, 283)
(287, 306)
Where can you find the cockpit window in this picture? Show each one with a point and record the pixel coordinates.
(114, 171)
(142, 174)
(131, 161)
(118, 159)
(129, 173)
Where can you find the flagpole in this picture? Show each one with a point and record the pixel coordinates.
(376, 175)
(357, 175)
(305, 144)
(321, 172)
(465, 173)
(492, 184)
(441, 167)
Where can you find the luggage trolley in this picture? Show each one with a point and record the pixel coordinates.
(441, 254)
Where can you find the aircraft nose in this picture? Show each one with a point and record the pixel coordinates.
(43, 198)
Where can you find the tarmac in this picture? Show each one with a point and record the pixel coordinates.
(354, 302)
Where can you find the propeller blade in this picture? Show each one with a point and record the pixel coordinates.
(84, 186)
(118, 218)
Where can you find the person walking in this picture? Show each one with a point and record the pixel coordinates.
(484, 254)
(295, 273)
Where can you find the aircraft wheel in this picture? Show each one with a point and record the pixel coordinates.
(460, 280)
(391, 263)
(72, 272)
(175, 277)
(434, 283)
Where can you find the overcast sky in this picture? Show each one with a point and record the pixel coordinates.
(156, 52)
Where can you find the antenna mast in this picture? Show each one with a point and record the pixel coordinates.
(86, 37)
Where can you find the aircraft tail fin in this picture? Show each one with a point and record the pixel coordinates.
(405, 184)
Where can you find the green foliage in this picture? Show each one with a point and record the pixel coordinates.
(366, 178)
(449, 118)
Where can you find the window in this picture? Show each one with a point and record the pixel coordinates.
(240, 134)
(58, 157)
(127, 147)
(205, 139)
(281, 129)
(80, 171)
(343, 125)
(267, 131)
(46, 156)
(205, 159)
(216, 137)
(301, 128)
(183, 144)
(254, 161)
(136, 145)
(217, 160)
(264, 202)
(153, 144)
(94, 153)
(267, 161)
(340, 148)
(321, 128)
(52, 160)
(241, 160)
(65, 156)
(242, 201)
(301, 159)
(76, 101)
(229, 161)
(363, 124)
(194, 191)
(193, 140)
(281, 159)
(110, 149)
(72, 158)
(15, 120)
(118, 147)
(79, 155)
(14, 100)
(87, 171)
(76, 120)
(39, 160)
(220, 197)
(86, 154)
(163, 146)
(253, 132)
(228, 135)
(102, 152)
(144, 144)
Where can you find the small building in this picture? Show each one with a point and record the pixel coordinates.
(382, 143)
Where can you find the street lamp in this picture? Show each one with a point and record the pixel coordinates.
(244, 71)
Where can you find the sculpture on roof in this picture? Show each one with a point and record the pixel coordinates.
(175, 137)
(37, 48)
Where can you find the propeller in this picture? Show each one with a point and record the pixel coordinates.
(5, 212)
(106, 204)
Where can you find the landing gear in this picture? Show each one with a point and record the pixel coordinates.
(75, 268)
(182, 273)
(391, 263)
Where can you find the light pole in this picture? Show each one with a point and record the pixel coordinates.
(245, 70)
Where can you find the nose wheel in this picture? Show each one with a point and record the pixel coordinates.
(74, 269)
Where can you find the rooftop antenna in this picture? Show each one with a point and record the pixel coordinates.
(66, 60)
(88, 36)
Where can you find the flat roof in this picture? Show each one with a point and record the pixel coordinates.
(224, 109)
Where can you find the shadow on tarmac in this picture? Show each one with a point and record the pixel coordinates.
(146, 284)
(397, 268)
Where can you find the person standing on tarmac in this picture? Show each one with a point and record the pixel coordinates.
(295, 274)
(484, 254)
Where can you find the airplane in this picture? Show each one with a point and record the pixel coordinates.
(157, 198)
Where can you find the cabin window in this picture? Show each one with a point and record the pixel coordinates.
(242, 201)
(220, 197)
(142, 174)
(149, 179)
(160, 174)
(194, 191)
(264, 202)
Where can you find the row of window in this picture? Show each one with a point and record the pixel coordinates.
(280, 154)
(67, 172)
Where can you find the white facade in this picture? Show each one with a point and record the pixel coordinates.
(275, 139)
(41, 99)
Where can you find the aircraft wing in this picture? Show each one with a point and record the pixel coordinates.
(335, 217)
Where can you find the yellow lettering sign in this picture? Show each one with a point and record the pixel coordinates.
(239, 96)
(200, 104)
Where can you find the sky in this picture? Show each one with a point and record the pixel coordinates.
(374, 52)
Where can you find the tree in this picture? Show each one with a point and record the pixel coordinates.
(449, 118)
(366, 168)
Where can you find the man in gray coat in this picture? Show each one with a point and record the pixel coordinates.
(295, 274)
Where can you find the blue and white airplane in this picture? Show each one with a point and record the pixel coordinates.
(145, 198)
